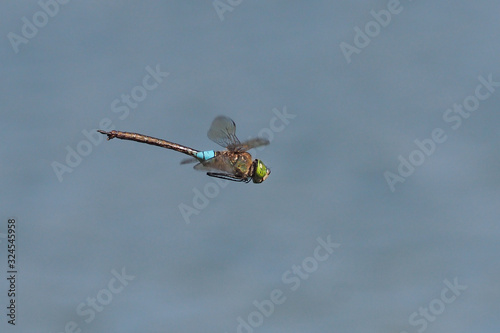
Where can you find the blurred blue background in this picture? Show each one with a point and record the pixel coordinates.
(114, 208)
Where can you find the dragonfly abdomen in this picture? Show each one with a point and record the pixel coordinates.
(205, 155)
(150, 140)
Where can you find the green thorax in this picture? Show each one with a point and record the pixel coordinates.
(241, 162)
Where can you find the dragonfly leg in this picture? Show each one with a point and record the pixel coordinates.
(227, 176)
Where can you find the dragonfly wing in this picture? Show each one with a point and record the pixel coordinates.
(221, 163)
(252, 143)
(189, 160)
(223, 132)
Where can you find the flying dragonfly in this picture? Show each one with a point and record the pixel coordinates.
(234, 163)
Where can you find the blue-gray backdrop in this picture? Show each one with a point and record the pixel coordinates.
(382, 210)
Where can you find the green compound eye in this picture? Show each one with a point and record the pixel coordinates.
(261, 172)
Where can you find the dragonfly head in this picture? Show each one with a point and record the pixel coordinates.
(261, 172)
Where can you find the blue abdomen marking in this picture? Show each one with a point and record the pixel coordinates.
(205, 155)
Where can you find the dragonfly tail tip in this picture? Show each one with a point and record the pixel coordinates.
(110, 135)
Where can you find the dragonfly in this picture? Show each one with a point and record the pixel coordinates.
(234, 163)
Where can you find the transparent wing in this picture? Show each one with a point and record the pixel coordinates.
(189, 160)
(221, 163)
(223, 132)
(252, 143)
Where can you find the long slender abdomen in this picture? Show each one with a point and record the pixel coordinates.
(151, 141)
